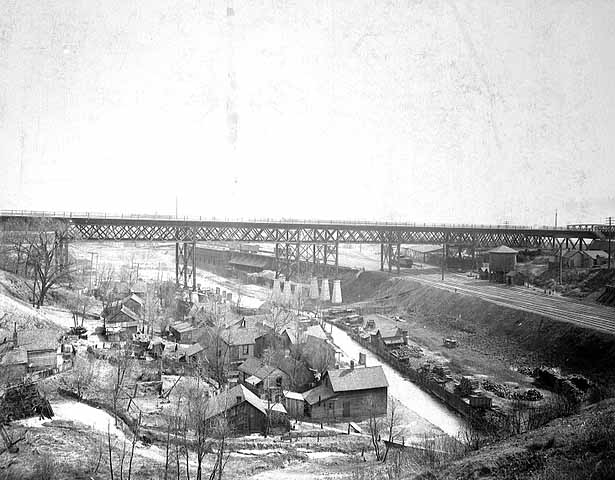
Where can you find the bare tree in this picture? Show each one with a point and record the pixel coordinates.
(375, 427)
(392, 426)
(121, 370)
(46, 260)
(80, 377)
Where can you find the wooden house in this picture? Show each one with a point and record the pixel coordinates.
(184, 332)
(246, 413)
(352, 393)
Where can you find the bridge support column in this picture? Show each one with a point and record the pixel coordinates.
(61, 253)
(389, 256)
(293, 259)
(185, 265)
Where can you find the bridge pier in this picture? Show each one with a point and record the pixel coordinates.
(389, 256)
(61, 252)
(185, 265)
(293, 259)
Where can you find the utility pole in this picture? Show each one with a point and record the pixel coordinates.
(91, 268)
(610, 222)
(444, 249)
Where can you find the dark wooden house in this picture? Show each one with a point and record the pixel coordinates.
(352, 393)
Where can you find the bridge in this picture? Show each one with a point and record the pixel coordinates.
(313, 241)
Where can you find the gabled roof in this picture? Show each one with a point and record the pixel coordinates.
(318, 394)
(135, 298)
(348, 379)
(250, 365)
(389, 332)
(259, 370)
(502, 249)
(229, 398)
(126, 311)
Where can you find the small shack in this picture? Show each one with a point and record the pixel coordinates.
(184, 332)
(294, 403)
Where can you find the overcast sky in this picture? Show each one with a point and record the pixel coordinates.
(430, 111)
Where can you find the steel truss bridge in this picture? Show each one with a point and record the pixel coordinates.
(296, 241)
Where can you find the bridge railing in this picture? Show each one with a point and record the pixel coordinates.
(112, 216)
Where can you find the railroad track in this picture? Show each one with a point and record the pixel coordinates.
(557, 308)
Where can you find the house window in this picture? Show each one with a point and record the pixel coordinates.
(278, 382)
(246, 349)
(330, 405)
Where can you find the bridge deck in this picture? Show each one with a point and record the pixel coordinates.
(100, 226)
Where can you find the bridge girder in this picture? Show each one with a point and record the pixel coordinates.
(325, 233)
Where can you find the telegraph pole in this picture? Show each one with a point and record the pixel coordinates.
(91, 268)
(610, 223)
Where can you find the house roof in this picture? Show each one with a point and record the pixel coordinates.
(183, 327)
(126, 311)
(316, 331)
(320, 393)
(502, 249)
(389, 332)
(38, 339)
(250, 365)
(229, 398)
(15, 356)
(194, 349)
(244, 332)
(135, 298)
(254, 368)
(253, 380)
(348, 379)
(298, 335)
(293, 395)
(593, 254)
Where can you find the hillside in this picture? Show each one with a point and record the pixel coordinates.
(578, 447)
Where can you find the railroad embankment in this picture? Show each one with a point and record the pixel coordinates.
(488, 332)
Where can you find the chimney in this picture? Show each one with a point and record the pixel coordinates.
(351, 364)
(15, 335)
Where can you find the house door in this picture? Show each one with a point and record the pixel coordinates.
(346, 407)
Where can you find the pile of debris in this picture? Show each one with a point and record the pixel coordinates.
(572, 386)
(23, 401)
(530, 395)
(500, 390)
